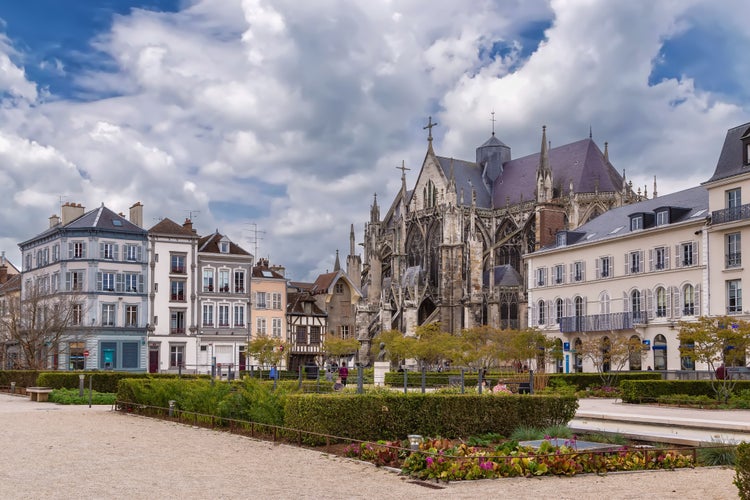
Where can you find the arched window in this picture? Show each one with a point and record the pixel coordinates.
(688, 300)
(660, 352)
(558, 355)
(635, 353)
(635, 305)
(578, 359)
(430, 195)
(687, 348)
(579, 306)
(559, 311)
(542, 316)
(661, 302)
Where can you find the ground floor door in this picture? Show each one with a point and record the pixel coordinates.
(153, 361)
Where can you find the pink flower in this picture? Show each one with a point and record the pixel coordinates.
(429, 461)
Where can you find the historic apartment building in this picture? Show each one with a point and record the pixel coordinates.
(450, 248)
(269, 301)
(643, 268)
(98, 258)
(173, 296)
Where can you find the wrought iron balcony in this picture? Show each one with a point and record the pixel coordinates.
(734, 259)
(730, 214)
(600, 322)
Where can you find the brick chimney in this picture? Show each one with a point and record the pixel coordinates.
(188, 224)
(136, 214)
(70, 212)
(54, 220)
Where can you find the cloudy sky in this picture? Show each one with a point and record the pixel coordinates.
(287, 116)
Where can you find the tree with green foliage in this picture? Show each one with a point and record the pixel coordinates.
(520, 347)
(610, 352)
(434, 346)
(268, 351)
(335, 347)
(398, 348)
(720, 343)
(480, 347)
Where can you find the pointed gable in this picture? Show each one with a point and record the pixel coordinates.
(168, 227)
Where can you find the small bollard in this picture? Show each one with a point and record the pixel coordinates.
(414, 441)
(171, 408)
(12, 387)
(81, 385)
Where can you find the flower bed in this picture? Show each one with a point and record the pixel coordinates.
(446, 460)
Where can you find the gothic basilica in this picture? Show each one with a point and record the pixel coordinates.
(449, 249)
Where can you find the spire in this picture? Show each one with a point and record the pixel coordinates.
(428, 127)
(337, 265)
(403, 169)
(351, 241)
(544, 157)
(493, 122)
(375, 210)
(606, 152)
(591, 135)
(654, 196)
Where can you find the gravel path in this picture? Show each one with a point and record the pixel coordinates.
(50, 451)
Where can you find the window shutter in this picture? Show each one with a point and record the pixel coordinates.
(668, 300)
(585, 305)
(583, 270)
(677, 256)
(70, 250)
(568, 308)
(83, 250)
(117, 251)
(119, 282)
(696, 254)
(67, 281)
(666, 257)
(625, 302)
(101, 250)
(268, 299)
(139, 253)
(651, 259)
(598, 268)
(534, 317)
(642, 260)
(676, 313)
(140, 283)
(697, 300)
(99, 284)
(255, 299)
(572, 272)
(649, 294)
(627, 264)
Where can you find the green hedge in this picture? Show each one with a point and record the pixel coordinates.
(646, 391)
(582, 381)
(102, 381)
(742, 470)
(22, 378)
(382, 415)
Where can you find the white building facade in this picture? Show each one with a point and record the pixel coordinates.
(99, 259)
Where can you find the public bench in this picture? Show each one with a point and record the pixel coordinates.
(40, 394)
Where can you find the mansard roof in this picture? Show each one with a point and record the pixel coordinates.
(167, 226)
(731, 158)
(692, 204)
(581, 162)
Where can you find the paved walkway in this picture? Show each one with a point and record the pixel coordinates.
(63, 452)
(659, 423)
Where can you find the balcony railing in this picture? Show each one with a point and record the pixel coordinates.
(734, 259)
(730, 214)
(600, 322)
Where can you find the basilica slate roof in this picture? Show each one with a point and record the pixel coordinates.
(581, 162)
(730, 159)
(505, 275)
(615, 223)
(469, 177)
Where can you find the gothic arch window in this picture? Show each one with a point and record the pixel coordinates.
(430, 195)
(434, 239)
(509, 252)
(415, 251)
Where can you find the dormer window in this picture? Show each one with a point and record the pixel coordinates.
(662, 217)
(636, 222)
(746, 147)
(562, 239)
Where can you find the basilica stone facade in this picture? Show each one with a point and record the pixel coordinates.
(449, 249)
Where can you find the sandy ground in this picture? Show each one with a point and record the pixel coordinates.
(49, 451)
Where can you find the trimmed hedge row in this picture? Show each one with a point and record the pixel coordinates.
(641, 391)
(101, 382)
(582, 381)
(22, 378)
(382, 415)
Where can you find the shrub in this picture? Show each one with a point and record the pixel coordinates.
(558, 431)
(719, 452)
(71, 397)
(583, 381)
(742, 470)
(526, 433)
(644, 391)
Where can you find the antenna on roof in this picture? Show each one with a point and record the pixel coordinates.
(192, 214)
(493, 122)
(255, 237)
